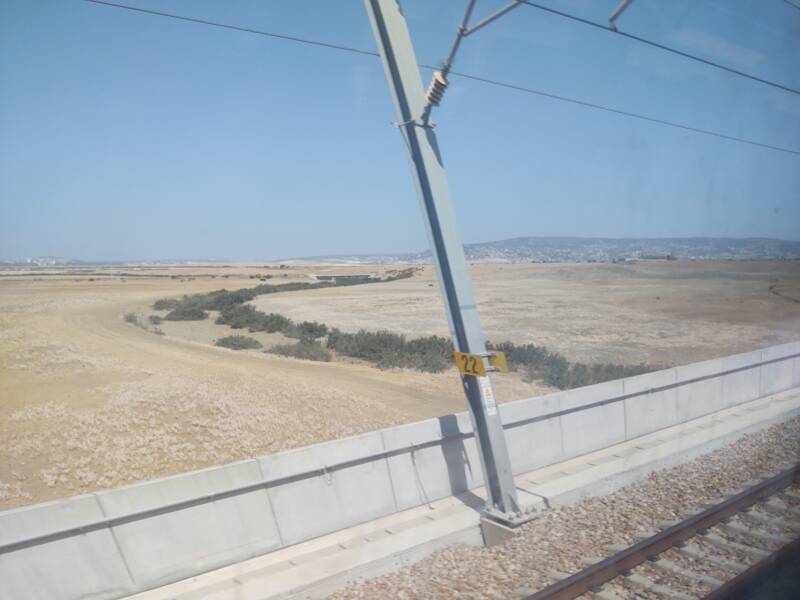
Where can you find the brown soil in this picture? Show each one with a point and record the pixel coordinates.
(88, 401)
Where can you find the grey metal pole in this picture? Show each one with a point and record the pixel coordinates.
(405, 85)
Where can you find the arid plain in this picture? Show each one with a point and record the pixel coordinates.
(89, 401)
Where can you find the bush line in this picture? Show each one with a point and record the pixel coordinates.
(194, 307)
(238, 342)
(305, 349)
(385, 349)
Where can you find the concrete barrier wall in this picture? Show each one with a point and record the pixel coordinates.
(82, 566)
(336, 498)
(116, 542)
(181, 543)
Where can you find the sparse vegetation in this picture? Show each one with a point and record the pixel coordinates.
(222, 299)
(434, 354)
(135, 320)
(238, 342)
(186, 312)
(305, 349)
(166, 304)
(136, 427)
(382, 348)
(307, 330)
(552, 368)
(247, 317)
(580, 374)
(386, 349)
(366, 345)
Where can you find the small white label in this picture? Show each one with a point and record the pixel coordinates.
(488, 396)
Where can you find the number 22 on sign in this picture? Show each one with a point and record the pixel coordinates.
(470, 364)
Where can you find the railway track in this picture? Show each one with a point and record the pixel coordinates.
(711, 554)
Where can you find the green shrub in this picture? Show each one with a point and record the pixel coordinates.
(166, 304)
(431, 354)
(238, 342)
(580, 375)
(556, 371)
(307, 330)
(523, 355)
(382, 348)
(238, 317)
(367, 345)
(247, 317)
(154, 319)
(131, 318)
(553, 369)
(186, 313)
(305, 349)
(386, 349)
(270, 323)
(222, 299)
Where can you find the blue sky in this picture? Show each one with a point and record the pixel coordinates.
(127, 136)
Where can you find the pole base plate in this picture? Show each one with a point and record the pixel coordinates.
(498, 527)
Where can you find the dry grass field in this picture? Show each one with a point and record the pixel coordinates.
(88, 401)
(656, 312)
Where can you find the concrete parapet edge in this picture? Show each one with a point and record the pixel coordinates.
(326, 564)
(252, 507)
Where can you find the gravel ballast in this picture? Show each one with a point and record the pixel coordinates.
(564, 540)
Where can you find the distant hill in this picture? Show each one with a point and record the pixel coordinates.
(576, 249)
(521, 249)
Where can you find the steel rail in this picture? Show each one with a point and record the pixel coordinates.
(594, 576)
(761, 568)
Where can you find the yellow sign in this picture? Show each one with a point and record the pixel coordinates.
(470, 364)
(498, 361)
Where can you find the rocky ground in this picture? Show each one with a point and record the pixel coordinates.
(564, 540)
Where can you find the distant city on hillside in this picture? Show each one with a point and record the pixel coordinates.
(523, 249)
(577, 249)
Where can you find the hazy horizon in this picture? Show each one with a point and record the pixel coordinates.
(378, 254)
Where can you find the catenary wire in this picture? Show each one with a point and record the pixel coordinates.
(661, 47)
(617, 111)
(477, 78)
(281, 36)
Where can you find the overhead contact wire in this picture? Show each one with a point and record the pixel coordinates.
(642, 40)
(484, 80)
